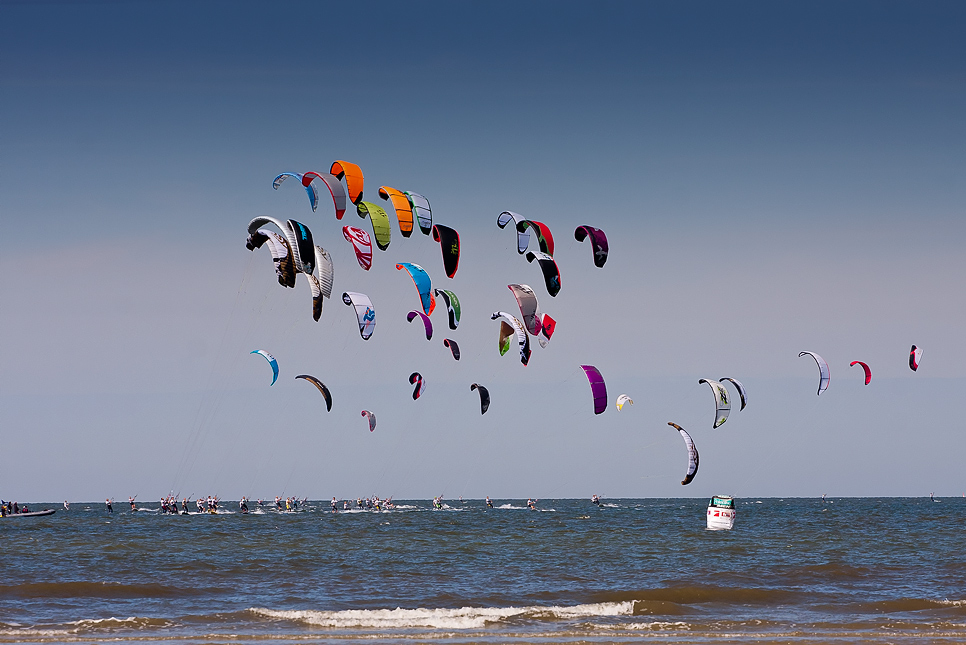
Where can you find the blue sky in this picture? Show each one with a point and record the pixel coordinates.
(773, 178)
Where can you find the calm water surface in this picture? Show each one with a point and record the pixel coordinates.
(792, 570)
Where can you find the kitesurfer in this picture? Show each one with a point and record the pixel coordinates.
(595, 499)
(110, 509)
(335, 507)
(531, 504)
(489, 502)
(66, 505)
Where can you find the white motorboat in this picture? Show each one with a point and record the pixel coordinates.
(721, 513)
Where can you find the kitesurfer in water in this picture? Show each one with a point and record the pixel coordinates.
(595, 499)
(531, 504)
(110, 509)
(489, 502)
(66, 505)
(335, 507)
(131, 501)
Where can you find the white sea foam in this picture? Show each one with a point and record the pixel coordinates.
(85, 626)
(464, 618)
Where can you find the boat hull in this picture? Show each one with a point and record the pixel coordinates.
(48, 511)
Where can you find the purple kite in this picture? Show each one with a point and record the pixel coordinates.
(597, 240)
(426, 322)
(598, 388)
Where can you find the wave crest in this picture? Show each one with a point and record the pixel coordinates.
(463, 618)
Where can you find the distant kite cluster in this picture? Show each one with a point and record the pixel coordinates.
(294, 252)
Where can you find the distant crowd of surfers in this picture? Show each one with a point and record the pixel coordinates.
(169, 505)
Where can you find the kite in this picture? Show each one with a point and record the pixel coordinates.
(449, 243)
(740, 388)
(427, 323)
(721, 401)
(542, 231)
(361, 243)
(381, 229)
(453, 347)
(823, 373)
(365, 312)
(335, 189)
(865, 368)
(404, 210)
(510, 326)
(538, 324)
(452, 306)
(321, 387)
(423, 285)
(692, 454)
(422, 212)
(281, 252)
(321, 286)
(551, 275)
(484, 397)
(523, 236)
(597, 387)
(417, 379)
(598, 242)
(299, 239)
(271, 361)
(372, 419)
(915, 354)
(352, 175)
(623, 400)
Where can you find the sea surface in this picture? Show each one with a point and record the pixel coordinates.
(883, 570)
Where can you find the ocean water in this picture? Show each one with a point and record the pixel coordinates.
(884, 570)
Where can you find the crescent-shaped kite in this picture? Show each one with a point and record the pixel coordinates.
(365, 312)
(741, 390)
(271, 361)
(324, 391)
(453, 347)
(915, 355)
(449, 244)
(721, 401)
(597, 387)
(423, 285)
(361, 244)
(692, 454)
(823, 374)
(598, 242)
(400, 204)
(484, 397)
(351, 174)
(865, 368)
(427, 323)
